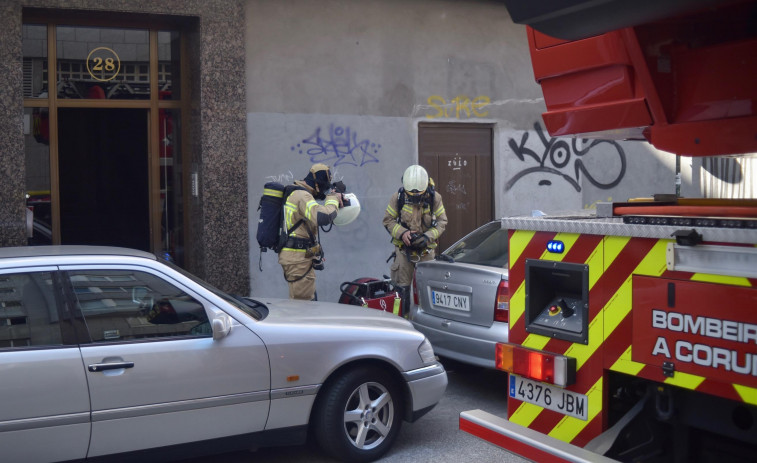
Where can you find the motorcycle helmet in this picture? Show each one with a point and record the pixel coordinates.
(349, 212)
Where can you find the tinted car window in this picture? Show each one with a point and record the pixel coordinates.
(122, 305)
(485, 246)
(28, 310)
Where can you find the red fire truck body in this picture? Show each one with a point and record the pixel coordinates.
(633, 327)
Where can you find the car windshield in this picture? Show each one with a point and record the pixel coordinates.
(486, 245)
(249, 306)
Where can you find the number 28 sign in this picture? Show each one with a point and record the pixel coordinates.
(103, 64)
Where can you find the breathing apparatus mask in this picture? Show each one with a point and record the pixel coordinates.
(319, 178)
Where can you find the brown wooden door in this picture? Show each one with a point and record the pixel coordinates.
(458, 157)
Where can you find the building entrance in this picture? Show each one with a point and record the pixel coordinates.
(103, 112)
(459, 159)
(103, 172)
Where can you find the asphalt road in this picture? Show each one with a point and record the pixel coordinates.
(434, 438)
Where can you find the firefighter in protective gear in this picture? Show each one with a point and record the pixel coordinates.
(415, 218)
(302, 253)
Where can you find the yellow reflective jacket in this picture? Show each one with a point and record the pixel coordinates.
(419, 217)
(301, 205)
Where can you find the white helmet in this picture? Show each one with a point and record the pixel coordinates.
(348, 213)
(415, 179)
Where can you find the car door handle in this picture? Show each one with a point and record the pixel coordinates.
(110, 366)
(445, 323)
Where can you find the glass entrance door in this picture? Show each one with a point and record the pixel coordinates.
(103, 177)
(103, 112)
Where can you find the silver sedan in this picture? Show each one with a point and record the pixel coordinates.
(462, 298)
(111, 351)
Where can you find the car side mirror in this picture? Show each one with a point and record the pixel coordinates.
(221, 327)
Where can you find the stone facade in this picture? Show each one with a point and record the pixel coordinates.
(218, 215)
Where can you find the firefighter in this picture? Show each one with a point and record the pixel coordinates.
(302, 253)
(415, 218)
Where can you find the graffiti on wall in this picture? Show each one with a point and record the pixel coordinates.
(566, 159)
(459, 107)
(285, 178)
(339, 144)
(288, 177)
(457, 190)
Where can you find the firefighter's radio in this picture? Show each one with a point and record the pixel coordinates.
(557, 300)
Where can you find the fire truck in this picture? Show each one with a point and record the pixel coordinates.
(633, 327)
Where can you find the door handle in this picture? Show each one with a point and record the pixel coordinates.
(445, 323)
(95, 367)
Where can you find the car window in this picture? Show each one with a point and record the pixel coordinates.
(28, 311)
(255, 309)
(123, 305)
(487, 245)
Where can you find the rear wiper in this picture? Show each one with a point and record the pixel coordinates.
(445, 257)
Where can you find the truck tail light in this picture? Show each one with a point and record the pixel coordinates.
(537, 365)
(502, 302)
(415, 290)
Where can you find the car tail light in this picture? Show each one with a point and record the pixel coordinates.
(415, 291)
(502, 302)
(537, 365)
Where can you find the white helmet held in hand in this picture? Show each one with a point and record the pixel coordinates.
(415, 180)
(349, 212)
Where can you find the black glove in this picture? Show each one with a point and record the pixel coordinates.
(339, 187)
(419, 242)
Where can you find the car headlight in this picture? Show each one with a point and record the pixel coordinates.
(426, 351)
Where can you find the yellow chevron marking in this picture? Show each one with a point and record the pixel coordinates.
(535, 341)
(582, 352)
(655, 262)
(518, 243)
(525, 414)
(685, 380)
(568, 427)
(722, 279)
(625, 365)
(517, 303)
(595, 263)
(612, 247)
(619, 305)
(747, 394)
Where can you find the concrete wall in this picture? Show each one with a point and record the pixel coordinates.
(347, 82)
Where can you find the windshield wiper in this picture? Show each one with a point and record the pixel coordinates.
(254, 305)
(445, 257)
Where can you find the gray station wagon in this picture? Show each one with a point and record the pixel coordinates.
(111, 351)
